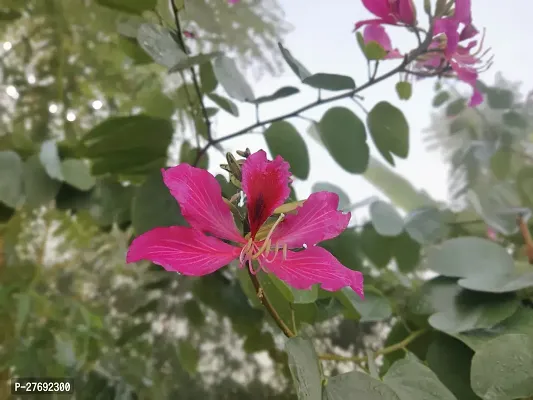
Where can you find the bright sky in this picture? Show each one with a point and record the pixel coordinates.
(322, 40)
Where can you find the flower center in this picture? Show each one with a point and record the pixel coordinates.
(252, 250)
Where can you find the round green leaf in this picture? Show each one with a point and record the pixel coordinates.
(304, 367)
(191, 61)
(294, 64)
(500, 99)
(77, 173)
(111, 203)
(426, 225)
(154, 206)
(49, 157)
(39, 188)
(404, 90)
(374, 51)
(510, 282)
(450, 359)
(281, 93)
(159, 44)
(473, 310)
(358, 385)
(284, 140)
(440, 99)
(344, 199)
(330, 82)
(344, 135)
(231, 79)
(376, 247)
(514, 120)
(455, 107)
(226, 104)
(11, 175)
(502, 368)
(389, 130)
(386, 220)
(412, 380)
(373, 308)
(188, 356)
(208, 80)
(406, 252)
(437, 294)
(468, 256)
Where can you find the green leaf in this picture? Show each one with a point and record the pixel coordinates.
(188, 356)
(389, 130)
(293, 295)
(469, 256)
(283, 139)
(406, 252)
(188, 155)
(493, 283)
(39, 188)
(373, 308)
(281, 93)
(455, 108)
(524, 185)
(23, 309)
(501, 368)
(385, 219)
(412, 380)
(344, 136)
(159, 44)
(9, 15)
(473, 310)
(226, 104)
(374, 51)
(11, 179)
(297, 67)
(500, 99)
(514, 120)
(437, 294)
(133, 333)
(399, 332)
(450, 360)
(191, 61)
(404, 90)
(440, 98)
(344, 199)
(111, 203)
(231, 79)
(304, 367)
(77, 173)
(129, 6)
(376, 247)
(208, 80)
(330, 82)
(357, 385)
(49, 157)
(500, 162)
(128, 145)
(194, 313)
(153, 206)
(345, 249)
(130, 46)
(426, 225)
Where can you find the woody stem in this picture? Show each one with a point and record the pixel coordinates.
(271, 310)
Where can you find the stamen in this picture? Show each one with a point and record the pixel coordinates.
(243, 257)
(277, 247)
(267, 241)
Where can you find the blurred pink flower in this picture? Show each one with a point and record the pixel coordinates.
(376, 33)
(391, 12)
(190, 251)
(233, 1)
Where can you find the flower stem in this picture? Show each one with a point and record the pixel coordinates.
(271, 310)
(386, 350)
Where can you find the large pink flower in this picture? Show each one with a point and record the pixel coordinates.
(391, 12)
(213, 240)
(376, 33)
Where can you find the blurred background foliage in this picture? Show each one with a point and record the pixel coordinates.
(88, 119)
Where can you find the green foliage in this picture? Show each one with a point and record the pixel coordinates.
(283, 139)
(305, 369)
(385, 219)
(231, 79)
(330, 82)
(344, 135)
(404, 90)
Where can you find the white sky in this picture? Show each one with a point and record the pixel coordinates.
(323, 41)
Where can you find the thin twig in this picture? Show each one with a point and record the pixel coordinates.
(386, 350)
(271, 310)
(193, 74)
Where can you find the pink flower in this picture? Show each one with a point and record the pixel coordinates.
(392, 12)
(233, 1)
(376, 33)
(213, 240)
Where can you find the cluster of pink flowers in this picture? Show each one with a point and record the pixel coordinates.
(284, 246)
(453, 41)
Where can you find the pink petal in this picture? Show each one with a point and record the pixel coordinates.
(317, 220)
(315, 265)
(376, 33)
(380, 8)
(200, 198)
(463, 11)
(406, 11)
(266, 185)
(387, 21)
(468, 32)
(469, 76)
(183, 250)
